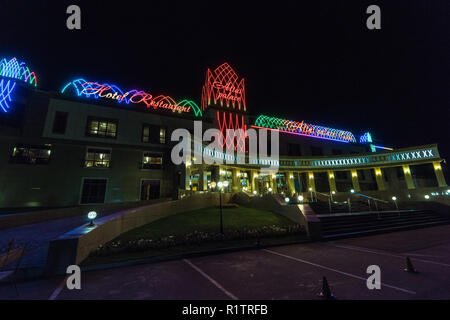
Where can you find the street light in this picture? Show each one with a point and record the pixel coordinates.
(352, 191)
(427, 197)
(91, 216)
(287, 199)
(301, 198)
(394, 198)
(221, 185)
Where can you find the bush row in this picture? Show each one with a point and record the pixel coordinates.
(196, 237)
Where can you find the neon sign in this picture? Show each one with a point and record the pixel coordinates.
(14, 70)
(304, 129)
(223, 86)
(107, 91)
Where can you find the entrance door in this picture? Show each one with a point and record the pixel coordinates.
(150, 189)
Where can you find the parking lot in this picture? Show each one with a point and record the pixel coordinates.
(287, 272)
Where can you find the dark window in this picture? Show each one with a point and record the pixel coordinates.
(150, 189)
(93, 191)
(400, 173)
(97, 158)
(151, 161)
(342, 175)
(153, 134)
(361, 174)
(31, 155)
(105, 128)
(60, 122)
(316, 151)
(294, 149)
(385, 174)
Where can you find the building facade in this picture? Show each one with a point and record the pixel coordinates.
(93, 143)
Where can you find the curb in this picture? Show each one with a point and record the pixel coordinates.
(181, 256)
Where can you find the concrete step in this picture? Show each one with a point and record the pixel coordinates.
(381, 225)
(336, 236)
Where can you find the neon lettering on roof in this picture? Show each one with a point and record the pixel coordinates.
(107, 91)
(304, 129)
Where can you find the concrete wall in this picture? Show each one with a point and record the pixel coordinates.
(19, 219)
(74, 246)
(301, 214)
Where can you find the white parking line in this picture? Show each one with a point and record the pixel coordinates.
(335, 270)
(383, 253)
(214, 282)
(58, 290)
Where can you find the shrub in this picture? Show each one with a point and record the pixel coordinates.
(196, 237)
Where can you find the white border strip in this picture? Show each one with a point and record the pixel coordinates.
(214, 282)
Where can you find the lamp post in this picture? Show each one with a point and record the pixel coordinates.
(221, 185)
(394, 198)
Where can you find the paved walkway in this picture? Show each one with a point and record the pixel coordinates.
(287, 272)
(38, 236)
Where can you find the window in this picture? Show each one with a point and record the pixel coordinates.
(162, 135)
(31, 155)
(93, 191)
(336, 151)
(60, 122)
(153, 134)
(294, 149)
(97, 158)
(101, 128)
(316, 151)
(341, 175)
(151, 161)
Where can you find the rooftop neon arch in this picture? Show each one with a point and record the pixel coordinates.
(12, 71)
(302, 128)
(95, 90)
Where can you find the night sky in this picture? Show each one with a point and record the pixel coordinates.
(302, 60)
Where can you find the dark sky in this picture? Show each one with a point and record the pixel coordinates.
(302, 60)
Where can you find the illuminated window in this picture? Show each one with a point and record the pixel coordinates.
(104, 128)
(31, 155)
(153, 134)
(151, 161)
(162, 135)
(97, 158)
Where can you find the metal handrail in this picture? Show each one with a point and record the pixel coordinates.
(371, 198)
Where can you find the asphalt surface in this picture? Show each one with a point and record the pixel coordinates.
(287, 272)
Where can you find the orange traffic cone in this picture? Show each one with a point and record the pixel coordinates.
(326, 292)
(409, 266)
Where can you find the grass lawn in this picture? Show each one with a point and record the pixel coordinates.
(206, 220)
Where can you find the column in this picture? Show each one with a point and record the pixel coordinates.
(253, 176)
(332, 181)
(290, 183)
(236, 180)
(408, 177)
(201, 181)
(439, 174)
(273, 181)
(355, 181)
(311, 182)
(188, 176)
(379, 179)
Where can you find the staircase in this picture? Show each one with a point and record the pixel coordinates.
(353, 224)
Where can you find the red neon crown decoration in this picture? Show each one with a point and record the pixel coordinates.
(231, 120)
(222, 86)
